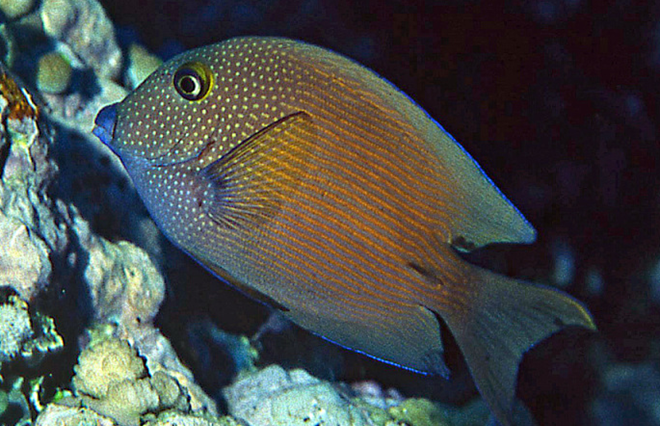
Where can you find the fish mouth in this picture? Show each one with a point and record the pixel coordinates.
(105, 123)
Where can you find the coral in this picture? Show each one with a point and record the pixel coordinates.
(28, 337)
(105, 363)
(45, 339)
(53, 73)
(46, 240)
(113, 380)
(160, 356)
(62, 415)
(273, 397)
(418, 412)
(13, 9)
(15, 400)
(25, 335)
(126, 402)
(27, 217)
(373, 394)
(15, 328)
(124, 284)
(84, 27)
(36, 233)
(173, 418)
(24, 264)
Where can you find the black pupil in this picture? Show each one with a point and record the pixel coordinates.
(187, 84)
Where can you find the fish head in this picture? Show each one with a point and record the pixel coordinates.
(169, 118)
(206, 100)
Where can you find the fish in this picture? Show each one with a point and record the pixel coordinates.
(315, 185)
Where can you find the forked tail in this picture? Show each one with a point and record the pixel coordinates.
(507, 318)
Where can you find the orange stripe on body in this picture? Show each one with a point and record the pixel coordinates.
(355, 160)
(421, 187)
(374, 223)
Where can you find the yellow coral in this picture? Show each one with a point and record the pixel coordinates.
(105, 363)
(127, 401)
(112, 380)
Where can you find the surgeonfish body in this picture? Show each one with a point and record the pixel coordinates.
(313, 184)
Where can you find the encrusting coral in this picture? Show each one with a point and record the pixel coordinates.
(104, 364)
(112, 380)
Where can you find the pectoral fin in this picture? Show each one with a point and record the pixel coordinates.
(247, 185)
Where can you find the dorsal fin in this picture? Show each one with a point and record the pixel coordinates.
(487, 216)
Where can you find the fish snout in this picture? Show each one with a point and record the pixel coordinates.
(105, 122)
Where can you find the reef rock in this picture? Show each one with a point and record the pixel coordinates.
(15, 328)
(275, 397)
(173, 418)
(62, 415)
(52, 173)
(29, 225)
(84, 26)
(113, 380)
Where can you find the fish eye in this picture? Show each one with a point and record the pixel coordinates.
(193, 81)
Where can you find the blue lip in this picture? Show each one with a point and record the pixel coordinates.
(105, 124)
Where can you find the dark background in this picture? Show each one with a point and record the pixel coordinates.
(557, 100)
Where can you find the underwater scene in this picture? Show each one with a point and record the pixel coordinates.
(329, 213)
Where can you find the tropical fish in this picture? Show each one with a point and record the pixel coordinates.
(315, 185)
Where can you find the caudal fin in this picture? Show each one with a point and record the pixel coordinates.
(508, 318)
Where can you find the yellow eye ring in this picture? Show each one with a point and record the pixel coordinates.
(193, 81)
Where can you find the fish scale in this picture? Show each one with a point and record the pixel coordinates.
(316, 186)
